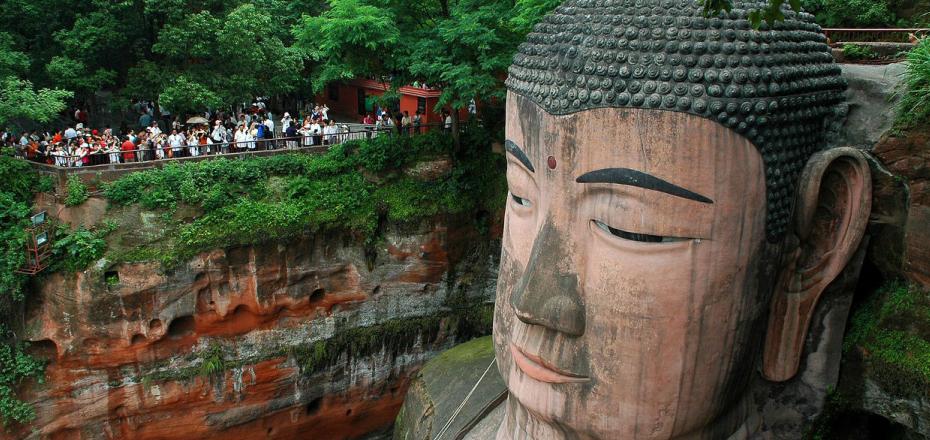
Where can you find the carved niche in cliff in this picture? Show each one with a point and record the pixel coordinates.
(672, 219)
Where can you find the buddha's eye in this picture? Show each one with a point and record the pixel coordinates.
(645, 238)
(521, 201)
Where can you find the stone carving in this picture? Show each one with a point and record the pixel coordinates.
(776, 86)
(670, 209)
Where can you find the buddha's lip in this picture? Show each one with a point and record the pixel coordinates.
(541, 370)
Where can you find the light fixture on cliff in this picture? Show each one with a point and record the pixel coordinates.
(38, 245)
(38, 219)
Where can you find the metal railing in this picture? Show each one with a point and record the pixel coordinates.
(164, 152)
(853, 35)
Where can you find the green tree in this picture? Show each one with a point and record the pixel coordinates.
(18, 97)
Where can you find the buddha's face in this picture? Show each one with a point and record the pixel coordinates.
(628, 300)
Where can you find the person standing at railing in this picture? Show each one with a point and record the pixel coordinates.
(175, 142)
(269, 132)
(219, 132)
(192, 145)
(306, 133)
(251, 135)
(329, 133)
(286, 121)
(290, 132)
(128, 154)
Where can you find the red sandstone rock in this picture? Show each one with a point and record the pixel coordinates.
(126, 359)
(908, 157)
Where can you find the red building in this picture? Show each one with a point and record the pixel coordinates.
(353, 98)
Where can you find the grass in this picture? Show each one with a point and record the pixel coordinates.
(891, 331)
(914, 108)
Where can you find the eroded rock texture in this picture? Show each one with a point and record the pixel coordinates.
(315, 338)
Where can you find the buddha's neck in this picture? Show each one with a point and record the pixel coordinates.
(739, 423)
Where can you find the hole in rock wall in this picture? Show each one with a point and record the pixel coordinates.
(314, 406)
(111, 277)
(857, 425)
(241, 310)
(349, 412)
(45, 349)
(376, 290)
(317, 294)
(181, 326)
(138, 339)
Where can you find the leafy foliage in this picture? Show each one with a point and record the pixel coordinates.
(18, 97)
(74, 251)
(352, 187)
(892, 332)
(20, 183)
(15, 367)
(851, 13)
(77, 191)
(915, 104)
(858, 52)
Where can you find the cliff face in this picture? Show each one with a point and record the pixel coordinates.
(315, 337)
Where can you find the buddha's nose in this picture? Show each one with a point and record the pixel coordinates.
(547, 295)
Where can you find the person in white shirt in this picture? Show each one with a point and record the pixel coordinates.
(325, 112)
(329, 133)
(285, 120)
(315, 131)
(192, 146)
(251, 135)
(175, 141)
(240, 138)
(153, 130)
(306, 132)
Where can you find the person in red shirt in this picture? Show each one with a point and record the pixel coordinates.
(128, 147)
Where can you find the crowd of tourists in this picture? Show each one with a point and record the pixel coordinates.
(210, 134)
(221, 133)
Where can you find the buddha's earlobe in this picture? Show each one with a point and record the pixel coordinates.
(831, 214)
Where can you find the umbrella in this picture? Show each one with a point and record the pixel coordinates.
(198, 120)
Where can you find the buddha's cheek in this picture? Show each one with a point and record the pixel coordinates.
(504, 318)
(638, 313)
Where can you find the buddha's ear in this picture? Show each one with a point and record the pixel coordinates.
(832, 210)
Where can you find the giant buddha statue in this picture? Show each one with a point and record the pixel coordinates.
(673, 217)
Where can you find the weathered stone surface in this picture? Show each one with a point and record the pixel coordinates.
(138, 358)
(870, 97)
(443, 385)
(907, 156)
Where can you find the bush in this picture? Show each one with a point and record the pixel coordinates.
(915, 103)
(851, 13)
(19, 186)
(892, 330)
(77, 191)
(74, 251)
(350, 188)
(15, 367)
(858, 52)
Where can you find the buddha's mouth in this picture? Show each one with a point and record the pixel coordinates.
(538, 369)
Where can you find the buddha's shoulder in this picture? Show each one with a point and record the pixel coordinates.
(458, 392)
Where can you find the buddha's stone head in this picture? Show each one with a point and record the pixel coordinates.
(673, 216)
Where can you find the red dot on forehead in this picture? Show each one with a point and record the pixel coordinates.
(552, 163)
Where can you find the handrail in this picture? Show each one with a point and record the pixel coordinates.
(116, 156)
(876, 35)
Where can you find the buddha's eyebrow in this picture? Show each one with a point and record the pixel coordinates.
(625, 176)
(518, 154)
